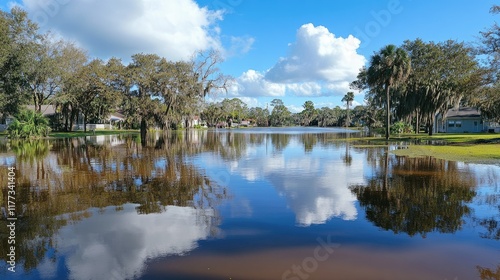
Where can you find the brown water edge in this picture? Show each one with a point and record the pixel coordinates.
(446, 261)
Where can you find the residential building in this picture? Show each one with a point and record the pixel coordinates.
(464, 120)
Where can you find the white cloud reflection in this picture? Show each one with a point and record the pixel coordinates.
(116, 245)
(316, 188)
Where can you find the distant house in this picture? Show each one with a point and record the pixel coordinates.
(110, 122)
(464, 120)
(193, 121)
(46, 110)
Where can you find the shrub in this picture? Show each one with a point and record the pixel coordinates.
(401, 127)
(29, 124)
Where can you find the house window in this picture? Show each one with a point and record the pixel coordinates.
(451, 123)
(458, 124)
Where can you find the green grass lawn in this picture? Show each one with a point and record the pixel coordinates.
(480, 153)
(465, 138)
(466, 147)
(450, 137)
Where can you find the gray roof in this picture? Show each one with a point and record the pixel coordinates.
(46, 110)
(466, 112)
(116, 117)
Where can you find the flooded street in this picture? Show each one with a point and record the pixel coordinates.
(282, 203)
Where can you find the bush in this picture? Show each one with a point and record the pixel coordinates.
(28, 125)
(401, 127)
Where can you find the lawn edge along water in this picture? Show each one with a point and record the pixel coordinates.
(464, 147)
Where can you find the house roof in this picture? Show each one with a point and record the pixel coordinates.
(466, 112)
(46, 110)
(116, 117)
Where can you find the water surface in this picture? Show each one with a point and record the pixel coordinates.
(286, 203)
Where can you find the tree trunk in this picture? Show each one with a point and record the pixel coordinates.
(144, 130)
(430, 126)
(66, 117)
(72, 119)
(84, 123)
(35, 100)
(348, 117)
(388, 113)
(417, 126)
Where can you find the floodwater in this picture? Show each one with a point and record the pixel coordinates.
(289, 203)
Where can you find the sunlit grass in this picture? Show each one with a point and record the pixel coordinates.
(466, 153)
(445, 138)
(466, 147)
(452, 138)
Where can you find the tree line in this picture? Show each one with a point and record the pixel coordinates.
(418, 80)
(412, 83)
(229, 111)
(38, 69)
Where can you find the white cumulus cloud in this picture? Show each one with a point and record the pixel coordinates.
(174, 29)
(318, 55)
(318, 64)
(252, 83)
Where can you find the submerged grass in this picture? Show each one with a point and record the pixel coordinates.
(90, 133)
(466, 147)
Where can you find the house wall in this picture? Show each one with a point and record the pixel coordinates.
(92, 126)
(492, 126)
(461, 125)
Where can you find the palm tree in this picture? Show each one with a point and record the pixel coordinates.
(389, 68)
(348, 98)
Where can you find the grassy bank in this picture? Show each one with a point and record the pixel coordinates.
(468, 147)
(480, 153)
(470, 138)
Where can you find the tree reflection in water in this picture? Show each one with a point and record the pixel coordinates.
(489, 273)
(61, 187)
(417, 195)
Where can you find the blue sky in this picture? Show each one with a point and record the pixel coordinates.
(288, 49)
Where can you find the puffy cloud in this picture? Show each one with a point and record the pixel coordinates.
(305, 89)
(318, 64)
(174, 29)
(250, 101)
(295, 108)
(252, 83)
(317, 55)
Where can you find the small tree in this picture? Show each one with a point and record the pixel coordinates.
(29, 124)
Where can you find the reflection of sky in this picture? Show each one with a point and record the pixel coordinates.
(315, 185)
(485, 203)
(115, 245)
(6, 160)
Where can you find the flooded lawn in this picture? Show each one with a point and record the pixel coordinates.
(289, 203)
